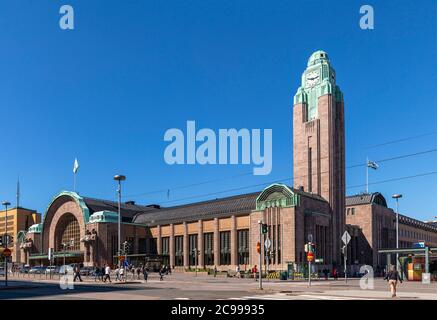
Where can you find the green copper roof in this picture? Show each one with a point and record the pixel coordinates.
(103, 216)
(79, 200)
(35, 228)
(317, 57)
(277, 195)
(317, 80)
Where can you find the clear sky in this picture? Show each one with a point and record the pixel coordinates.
(107, 91)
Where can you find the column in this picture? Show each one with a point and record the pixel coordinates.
(186, 247)
(172, 253)
(92, 260)
(276, 240)
(200, 247)
(216, 242)
(158, 240)
(234, 245)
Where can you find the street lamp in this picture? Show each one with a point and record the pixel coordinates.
(397, 196)
(119, 178)
(6, 240)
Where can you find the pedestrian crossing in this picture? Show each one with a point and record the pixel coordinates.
(285, 296)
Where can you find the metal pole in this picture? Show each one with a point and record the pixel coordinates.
(119, 222)
(260, 257)
(6, 245)
(345, 266)
(397, 234)
(195, 257)
(309, 273)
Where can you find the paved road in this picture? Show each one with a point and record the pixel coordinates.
(188, 287)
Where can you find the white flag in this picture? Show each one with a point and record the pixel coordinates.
(75, 166)
(372, 164)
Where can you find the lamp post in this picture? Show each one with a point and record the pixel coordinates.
(397, 197)
(6, 240)
(119, 178)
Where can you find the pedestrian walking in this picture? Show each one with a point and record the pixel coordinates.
(138, 272)
(77, 273)
(122, 275)
(97, 271)
(102, 273)
(238, 273)
(117, 274)
(392, 278)
(161, 274)
(334, 273)
(254, 271)
(145, 274)
(107, 274)
(325, 272)
(215, 271)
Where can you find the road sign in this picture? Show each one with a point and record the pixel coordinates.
(346, 237)
(7, 252)
(267, 243)
(310, 256)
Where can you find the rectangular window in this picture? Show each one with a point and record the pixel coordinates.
(153, 245)
(179, 250)
(142, 246)
(243, 246)
(208, 245)
(225, 248)
(130, 245)
(192, 238)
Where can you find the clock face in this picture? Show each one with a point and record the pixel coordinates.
(312, 78)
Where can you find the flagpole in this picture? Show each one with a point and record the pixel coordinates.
(367, 175)
(74, 181)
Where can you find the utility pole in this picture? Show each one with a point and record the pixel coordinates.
(397, 197)
(6, 204)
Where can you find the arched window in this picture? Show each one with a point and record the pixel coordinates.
(68, 233)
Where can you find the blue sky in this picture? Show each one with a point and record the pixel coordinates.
(107, 91)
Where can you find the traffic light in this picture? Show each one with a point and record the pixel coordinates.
(264, 228)
(313, 247)
(258, 247)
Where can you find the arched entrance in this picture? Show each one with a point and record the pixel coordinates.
(67, 233)
(67, 240)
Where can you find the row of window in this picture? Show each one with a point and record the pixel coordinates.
(350, 211)
(208, 248)
(417, 235)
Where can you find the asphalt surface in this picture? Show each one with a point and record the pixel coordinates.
(188, 287)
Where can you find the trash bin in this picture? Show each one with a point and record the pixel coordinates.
(284, 275)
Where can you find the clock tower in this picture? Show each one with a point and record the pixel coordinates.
(318, 142)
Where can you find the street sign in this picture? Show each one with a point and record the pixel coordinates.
(7, 252)
(310, 256)
(267, 243)
(346, 237)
